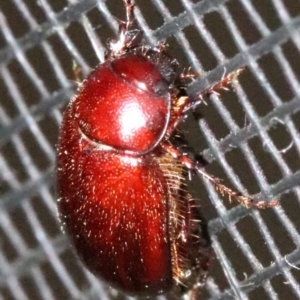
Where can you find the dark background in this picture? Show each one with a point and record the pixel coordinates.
(249, 134)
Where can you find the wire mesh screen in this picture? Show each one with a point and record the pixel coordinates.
(249, 134)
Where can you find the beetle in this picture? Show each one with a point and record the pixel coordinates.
(122, 192)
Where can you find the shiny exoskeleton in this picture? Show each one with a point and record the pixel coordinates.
(121, 184)
(122, 197)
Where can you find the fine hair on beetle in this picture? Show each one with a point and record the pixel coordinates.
(121, 166)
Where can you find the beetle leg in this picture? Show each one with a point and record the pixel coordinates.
(126, 37)
(188, 74)
(185, 103)
(224, 82)
(129, 14)
(190, 164)
(195, 100)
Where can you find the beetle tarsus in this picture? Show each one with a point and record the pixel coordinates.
(223, 83)
(129, 13)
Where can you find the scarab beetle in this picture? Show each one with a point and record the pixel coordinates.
(121, 185)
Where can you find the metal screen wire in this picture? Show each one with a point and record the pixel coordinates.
(249, 135)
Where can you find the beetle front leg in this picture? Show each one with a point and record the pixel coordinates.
(185, 103)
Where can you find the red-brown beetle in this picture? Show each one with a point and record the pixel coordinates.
(122, 194)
